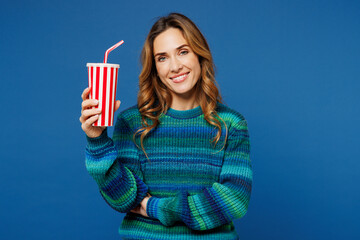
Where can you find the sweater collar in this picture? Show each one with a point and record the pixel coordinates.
(184, 114)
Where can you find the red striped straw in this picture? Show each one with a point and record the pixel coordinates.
(110, 49)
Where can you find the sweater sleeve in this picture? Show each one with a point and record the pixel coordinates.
(219, 204)
(114, 164)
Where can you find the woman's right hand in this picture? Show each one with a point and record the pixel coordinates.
(89, 115)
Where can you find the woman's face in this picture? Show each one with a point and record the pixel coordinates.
(177, 65)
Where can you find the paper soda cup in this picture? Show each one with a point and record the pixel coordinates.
(103, 82)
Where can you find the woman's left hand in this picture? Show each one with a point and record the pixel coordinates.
(141, 209)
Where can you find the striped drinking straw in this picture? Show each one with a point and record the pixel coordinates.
(110, 49)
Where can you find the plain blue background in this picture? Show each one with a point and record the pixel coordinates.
(290, 67)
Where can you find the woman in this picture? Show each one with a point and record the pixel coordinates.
(178, 163)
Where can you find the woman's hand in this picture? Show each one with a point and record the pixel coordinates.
(141, 209)
(90, 115)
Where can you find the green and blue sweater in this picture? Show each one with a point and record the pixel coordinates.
(197, 190)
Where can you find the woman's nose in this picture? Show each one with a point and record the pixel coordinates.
(175, 65)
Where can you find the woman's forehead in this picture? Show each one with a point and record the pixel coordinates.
(169, 40)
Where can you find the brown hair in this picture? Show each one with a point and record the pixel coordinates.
(154, 98)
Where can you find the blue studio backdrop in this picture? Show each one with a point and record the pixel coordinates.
(290, 67)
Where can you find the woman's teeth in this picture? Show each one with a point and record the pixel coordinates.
(179, 78)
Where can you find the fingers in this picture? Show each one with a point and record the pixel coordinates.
(87, 123)
(88, 103)
(117, 105)
(89, 129)
(85, 93)
(139, 210)
(136, 210)
(87, 113)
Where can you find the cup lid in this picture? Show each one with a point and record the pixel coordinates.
(103, 65)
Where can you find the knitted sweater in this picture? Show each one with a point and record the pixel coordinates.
(197, 190)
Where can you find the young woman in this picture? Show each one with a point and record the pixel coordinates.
(178, 163)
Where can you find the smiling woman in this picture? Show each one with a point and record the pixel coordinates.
(184, 181)
(178, 67)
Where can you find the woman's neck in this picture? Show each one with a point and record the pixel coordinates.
(180, 103)
(184, 106)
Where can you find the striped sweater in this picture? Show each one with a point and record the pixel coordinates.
(197, 188)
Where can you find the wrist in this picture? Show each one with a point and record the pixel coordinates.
(97, 142)
(95, 133)
(152, 207)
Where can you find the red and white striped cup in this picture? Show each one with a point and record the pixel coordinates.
(103, 82)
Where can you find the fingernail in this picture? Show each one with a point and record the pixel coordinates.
(96, 101)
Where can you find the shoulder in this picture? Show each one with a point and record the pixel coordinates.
(129, 112)
(229, 114)
(234, 120)
(131, 116)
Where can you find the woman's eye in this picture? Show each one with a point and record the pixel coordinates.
(161, 59)
(184, 52)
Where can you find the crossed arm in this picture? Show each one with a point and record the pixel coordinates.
(113, 163)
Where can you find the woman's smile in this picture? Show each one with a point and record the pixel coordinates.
(180, 77)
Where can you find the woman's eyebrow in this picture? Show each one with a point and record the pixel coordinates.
(179, 47)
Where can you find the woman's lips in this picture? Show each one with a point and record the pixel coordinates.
(180, 78)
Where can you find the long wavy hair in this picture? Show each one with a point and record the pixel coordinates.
(154, 98)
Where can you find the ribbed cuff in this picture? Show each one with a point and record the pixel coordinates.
(152, 207)
(98, 142)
